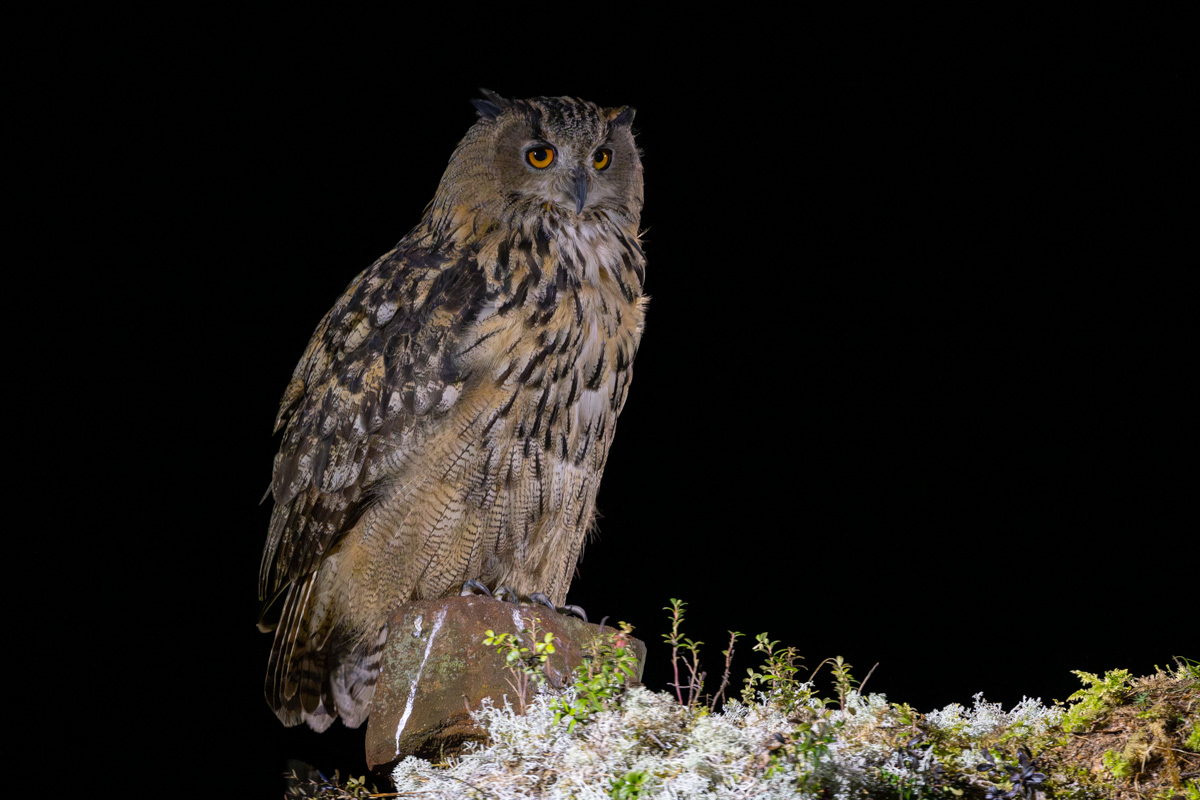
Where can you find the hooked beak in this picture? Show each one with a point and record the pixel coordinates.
(581, 189)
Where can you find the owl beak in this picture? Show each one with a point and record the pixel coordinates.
(581, 189)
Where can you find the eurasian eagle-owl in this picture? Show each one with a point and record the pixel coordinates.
(452, 414)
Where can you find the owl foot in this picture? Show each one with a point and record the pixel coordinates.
(505, 594)
(538, 597)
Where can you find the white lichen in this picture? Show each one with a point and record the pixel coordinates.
(670, 751)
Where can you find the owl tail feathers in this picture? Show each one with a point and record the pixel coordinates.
(314, 677)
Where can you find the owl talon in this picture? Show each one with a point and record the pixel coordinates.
(576, 610)
(539, 597)
(506, 594)
(474, 588)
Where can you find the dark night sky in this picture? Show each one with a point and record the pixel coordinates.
(911, 389)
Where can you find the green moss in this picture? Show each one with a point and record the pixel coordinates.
(1192, 742)
(1101, 695)
(1120, 766)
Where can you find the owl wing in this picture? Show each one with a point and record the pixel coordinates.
(381, 360)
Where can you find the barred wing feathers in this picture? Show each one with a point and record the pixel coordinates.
(379, 362)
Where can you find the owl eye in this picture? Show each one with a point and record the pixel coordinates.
(602, 158)
(540, 157)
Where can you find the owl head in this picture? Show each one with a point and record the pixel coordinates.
(560, 155)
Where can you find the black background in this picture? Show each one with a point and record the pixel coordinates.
(912, 388)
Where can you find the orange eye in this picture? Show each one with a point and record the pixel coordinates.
(602, 158)
(540, 157)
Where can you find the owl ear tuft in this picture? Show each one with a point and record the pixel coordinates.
(621, 116)
(490, 105)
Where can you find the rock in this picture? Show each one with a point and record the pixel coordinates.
(436, 669)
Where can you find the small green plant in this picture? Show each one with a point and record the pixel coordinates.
(677, 641)
(526, 662)
(313, 784)
(804, 748)
(720, 695)
(843, 681)
(778, 676)
(1102, 694)
(1187, 669)
(628, 787)
(1192, 742)
(1120, 767)
(906, 714)
(903, 787)
(601, 679)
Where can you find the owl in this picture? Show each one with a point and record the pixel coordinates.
(452, 414)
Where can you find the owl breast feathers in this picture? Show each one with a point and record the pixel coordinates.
(452, 414)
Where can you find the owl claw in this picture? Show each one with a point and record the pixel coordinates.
(539, 597)
(576, 610)
(506, 594)
(474, 588)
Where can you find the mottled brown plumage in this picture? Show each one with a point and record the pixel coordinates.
(452, 414)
